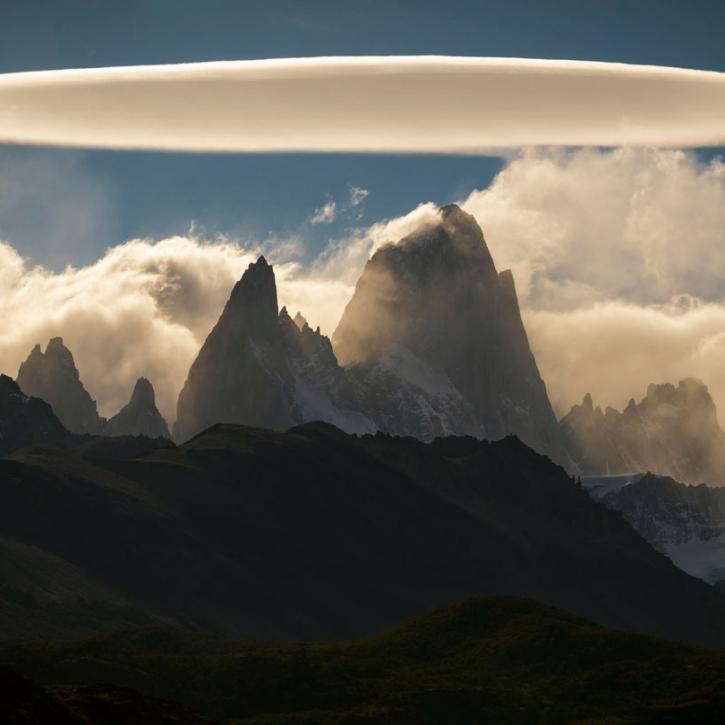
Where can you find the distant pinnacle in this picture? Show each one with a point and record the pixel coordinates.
(143, 393)
(300, 320)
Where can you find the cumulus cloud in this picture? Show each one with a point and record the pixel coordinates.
(582, 226)
(358, 195)
(325, 214)
(386, 104)
(614, 350)
(619, 261)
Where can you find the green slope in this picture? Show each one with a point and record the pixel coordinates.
(495, 659)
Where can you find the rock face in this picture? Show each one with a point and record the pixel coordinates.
(25, 420)
(672, 431)
(260, 368)
(140, 416)
(54, 377)
(433, 337)
(685, 522)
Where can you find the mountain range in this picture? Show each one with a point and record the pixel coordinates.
(685, 522)
(318, 534)
(27, 421)
(431, 344)
(53, 376)
(328, 489)
(672, 431)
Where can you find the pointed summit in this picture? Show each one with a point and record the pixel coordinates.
(53, 376)
(255, 295)
(143, 394)
(299, 320)
(258, 368)
(140, 416)
(432, 309)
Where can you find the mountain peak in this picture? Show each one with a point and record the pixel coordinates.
(453, 213)
(55, 343)
(434, 303)
(54, 377)
(673, 430)
(299, 320)
(453, 240)
(143, 393)
(140, 416)
(255, 295)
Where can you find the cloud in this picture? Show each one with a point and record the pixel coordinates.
(619, 261)
(381, 104)
(641, 225)
(325, 214)
(614, 350)
(350, 208)
(344, 259)
(358, 195)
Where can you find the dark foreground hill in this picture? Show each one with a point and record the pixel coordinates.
(23, 702)
(486, 660)
(26, 420)
(314, 534)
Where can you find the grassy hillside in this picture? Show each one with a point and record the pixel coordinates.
(490, 659)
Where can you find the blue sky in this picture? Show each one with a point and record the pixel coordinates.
(65, 206)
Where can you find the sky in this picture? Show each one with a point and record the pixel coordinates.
(61, 207)
(154, 194)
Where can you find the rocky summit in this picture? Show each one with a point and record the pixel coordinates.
(140, 416)
(431, 344)
(672, 431)
(433, 335)
(259, 367)
(52, 375)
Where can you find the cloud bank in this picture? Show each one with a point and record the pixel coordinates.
(385, 104)
(619, 261)
(618, 257)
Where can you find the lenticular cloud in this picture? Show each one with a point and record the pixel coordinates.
(385, 104)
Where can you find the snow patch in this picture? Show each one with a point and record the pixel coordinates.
(314, 403)
(703, 559)
(411, 369)
(600, 486)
